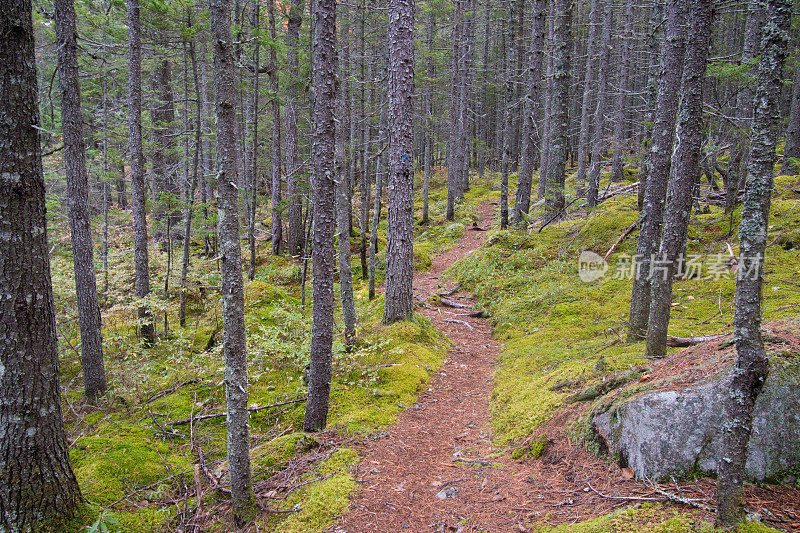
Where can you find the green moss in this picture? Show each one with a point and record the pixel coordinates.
(647, 518)
(320, 502)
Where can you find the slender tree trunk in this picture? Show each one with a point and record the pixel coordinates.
(618, 161)
(531, 139)
(508, 87)
(752, 364)
(600, 112)
(400, 201)
(380, 173)
(275, 142)
(660, 154)
(429, 133)
(559, 102)
(37, 486)
(191, 189)
(365, 192)
(252, 151)
(294, 212)
(454, 180)
(686, 156)
(548, 110)
(343, 206)
(138, 188)
(94, 373)
(324, 76)
(651, 95)
(589, 88)
(234, 342)
(792, 148)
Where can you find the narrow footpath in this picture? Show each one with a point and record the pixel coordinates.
(436, 468)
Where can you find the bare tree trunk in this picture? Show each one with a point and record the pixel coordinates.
(343, 206)
(651, 95)
(454, 165)
(400, 201)
(234, 342)
(508, 88)
(618, 161)
(600, 112)
(792, 148)
(324, 74)
(94, 373)
(589, 86)
(366, 180)
(138, 188)
(275, 142)
(548, 110)
(752, 365)
(294, 212)
(559, 102)
(660, 154)
(380, 173)
(252, 150)
(429, 133)
(38, 489)
(531, 139)
(686, 156)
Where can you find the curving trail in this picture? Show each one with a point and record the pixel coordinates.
(408, 478)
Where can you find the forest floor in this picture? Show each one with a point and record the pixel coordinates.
(439, 468)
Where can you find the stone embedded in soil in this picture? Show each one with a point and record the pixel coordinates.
(447, 492)
(678, 432)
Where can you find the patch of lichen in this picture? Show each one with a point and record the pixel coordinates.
(556, 327)
(648, 518)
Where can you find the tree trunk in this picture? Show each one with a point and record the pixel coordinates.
(531, 139)
(343, 206)
(689, 135)
(324, 80)
(792, 148)
(38, 489)
(618, 161)
(294, 212)
(454, 165)
(589, 87)
(94, 373)
(752, 364)
(166, 190)
(234, 342)
(252, 147)
(429, 126)
(559, 104)
(400, 201)
(600, 111)
(508, 88)
(365, 184)
(654, 44)
(138, 188)
(275, 141)
(660, 154)
(548, 110)
(380, 173)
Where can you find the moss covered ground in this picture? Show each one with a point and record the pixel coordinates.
(133, 466)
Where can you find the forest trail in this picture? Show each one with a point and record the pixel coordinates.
(408, 478)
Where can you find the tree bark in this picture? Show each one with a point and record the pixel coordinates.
(752, 365)
(429, 131)
(294, 211)
(548, 109)
(138, 188)
(558, 150)
(531, 138)
(660, 153)
(252, 147)
(234, 342)
(600, 112)
(94, 373)
(792, 148)
(589, 88)
(37, 486)
(324, 80)
(343, 206)
(275, 141)
(618, 161)
(686, 156)
(380, 173)
(400, 201)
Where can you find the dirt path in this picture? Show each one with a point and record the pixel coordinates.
(408, 478)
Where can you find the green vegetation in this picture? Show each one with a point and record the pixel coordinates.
(558, 329)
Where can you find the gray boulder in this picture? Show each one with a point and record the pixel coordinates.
(679, 432)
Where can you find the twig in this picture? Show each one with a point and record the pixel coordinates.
(558, 214)
(633, 498)
(621, 238)
(680, 499)
(462, 322)
(220, 415)
(456, 305)
(170, 390)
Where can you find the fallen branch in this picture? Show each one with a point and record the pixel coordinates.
(479, 462)
(633, 498)
(621, 238)
(681, 342)
(462, 322)
(680, 499)
(479, 314)
(622, 190)
(224, 414)
(450, 303)
(450, 292)
(558, 214)
(170, 390)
